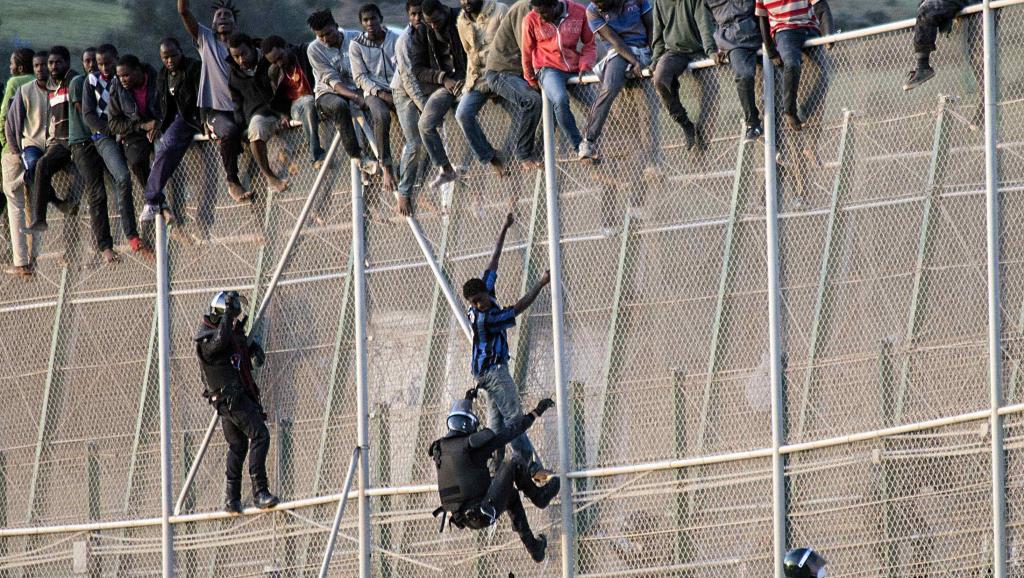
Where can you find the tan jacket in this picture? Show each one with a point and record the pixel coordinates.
(477, 35)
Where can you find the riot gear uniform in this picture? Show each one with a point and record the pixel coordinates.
(467, 491)
(226, 359)
(803, 563)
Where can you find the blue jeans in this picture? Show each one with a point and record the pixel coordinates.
(613, 81)
(553, 81)
(466, 115)
(173, 145)
(113, 159)
(413, 152)
(503, 404)
(790, 44)
(29, 157)
(524, 104)
(431, 119)
(304, 110)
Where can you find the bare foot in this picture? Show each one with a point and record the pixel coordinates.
(388, 179)
(404, 207)
(318, 164)
(168, 216)
(238, 193)
(277, 185)
(147, 253)
(109, 256)
(531, 164)
(498, 166)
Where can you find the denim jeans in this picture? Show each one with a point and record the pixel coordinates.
(431, 119)
(413, 152)
(503, 404)
(29, 157)
(334, 107)
(612, 82)
(380, 119)
(113, 159)
(229, 141)
(466, 115)
(790, 44)
(744, 67)
(304, 111)
(524, 104)
(173, 145)
(553, 81)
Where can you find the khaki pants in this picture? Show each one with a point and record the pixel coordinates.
(24, 247)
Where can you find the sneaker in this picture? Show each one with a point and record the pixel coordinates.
(264, 500)
(690, 132)
(368, 165)
(149, 213)
(443, 178)
(233, 506)
(917, 77)
(586, 150)
(546, 493)
(753, 133)
(19, 271)
(538, 548)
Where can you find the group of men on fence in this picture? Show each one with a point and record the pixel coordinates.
(142, 122)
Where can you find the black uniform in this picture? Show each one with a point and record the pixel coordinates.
(467, 491)
(932, 16)
(225, 356)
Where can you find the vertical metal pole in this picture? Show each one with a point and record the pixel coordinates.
(774, 319)
(362, 394)
(164, 339)
(995, 360)
(561, 395)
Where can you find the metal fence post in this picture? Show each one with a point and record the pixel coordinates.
(362, 395)
(774, 320)
(164, 340)
(561, 395)
(995, 360)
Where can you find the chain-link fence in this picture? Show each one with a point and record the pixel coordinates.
(668, 363)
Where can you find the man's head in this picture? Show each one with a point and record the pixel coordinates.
(243, 51)
(414, 10)
(549, 10)
(58, 62)
(372, 20)
(475, 291)
(275, 49)
(435, 14)
(608, 5)
(461, 418)
(39, 68)
(130, 72)
(89, 60)
(225, 17)
(171, 54)
(325, 28)
(472, 6)
(106, 60)
(21, 61)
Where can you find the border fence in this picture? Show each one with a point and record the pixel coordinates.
(812, 339)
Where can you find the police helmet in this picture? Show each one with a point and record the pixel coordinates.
(461, 418)
(803, 563)
(228, 300)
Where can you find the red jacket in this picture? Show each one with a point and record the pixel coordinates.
(547, 45)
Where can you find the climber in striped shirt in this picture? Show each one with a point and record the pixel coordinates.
(785, 26)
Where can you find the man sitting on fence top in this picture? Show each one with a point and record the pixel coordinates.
(932, 16)
(738, 39)
(23, 63)
(409, 100)
(292, 80)
(373, 61)
(490, 323)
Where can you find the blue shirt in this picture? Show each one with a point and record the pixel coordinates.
(626, 22)
(490, 342)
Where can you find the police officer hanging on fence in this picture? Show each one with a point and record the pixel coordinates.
(468, 492)
(226, 356)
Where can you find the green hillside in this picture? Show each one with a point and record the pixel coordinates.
(75, 23)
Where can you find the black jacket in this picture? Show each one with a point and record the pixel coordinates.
(438, 56)
(225, 358)
(179, 94)
(253, 94)
(123, 116)
(293, 54)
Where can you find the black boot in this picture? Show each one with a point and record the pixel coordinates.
(745, 92)
(791, 90)
(923, 73)
(543, 496)
(263, 499)
(537, 547)
(233, 498)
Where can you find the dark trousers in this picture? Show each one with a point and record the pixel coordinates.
(54, 159)
(229, 141)
(380, 117)
(744, 67)
(431, 118)
(933, 15)
(245, 432)
(90, 167)
(526, 102)
(334, 107)
(790, 44)
(670, 67)
(511, 478)
(173, 145)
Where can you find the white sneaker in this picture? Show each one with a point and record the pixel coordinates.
(586, 150)
(150, 212)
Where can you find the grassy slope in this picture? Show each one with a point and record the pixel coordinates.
(78, 23)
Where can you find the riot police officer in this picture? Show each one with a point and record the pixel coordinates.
(803, 563)
(468, 492)
(226, 356)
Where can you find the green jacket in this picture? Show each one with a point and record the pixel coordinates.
(682, 26)
(13, 84)
(504, 54)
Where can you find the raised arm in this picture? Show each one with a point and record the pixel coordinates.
(500, 245)
(524, 303)
(220, 340)
(188, 19)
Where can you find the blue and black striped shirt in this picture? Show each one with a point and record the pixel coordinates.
(490, 342)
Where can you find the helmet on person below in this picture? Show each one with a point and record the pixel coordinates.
(228, 300)
(461, 418)
(803, 563)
